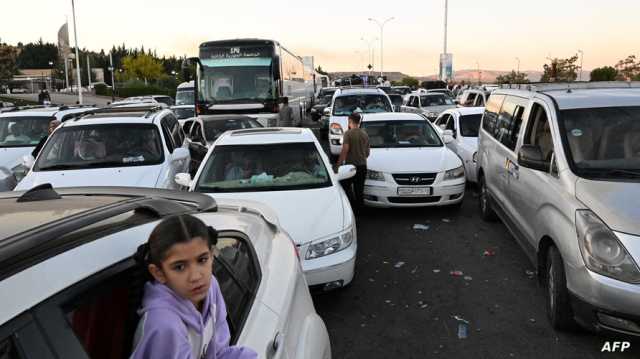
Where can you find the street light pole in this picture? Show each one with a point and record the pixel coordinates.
(479, 76)
(381, 25)
(371, 52)
(581, 62)
(75, 35)
(113, 82)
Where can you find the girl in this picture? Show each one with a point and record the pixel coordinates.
(183, 313)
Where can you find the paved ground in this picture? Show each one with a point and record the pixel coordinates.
(65, 99)
(403, 299)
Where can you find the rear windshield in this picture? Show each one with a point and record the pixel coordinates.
(410, 133)
(23, 131)
(213, 129)
(435, 100)
(101, 146)
(470, 125)
(346, 105)
(183, 113)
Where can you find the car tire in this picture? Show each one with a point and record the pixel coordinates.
(484, 199)
(558, 301)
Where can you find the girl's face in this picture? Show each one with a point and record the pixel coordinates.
(187, 270)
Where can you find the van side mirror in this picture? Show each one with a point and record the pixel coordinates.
(346, 172)
(448, 136)
(530, 156)
(183, 179)
(327, 111)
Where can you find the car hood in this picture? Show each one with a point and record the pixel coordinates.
(12, 156)
(616, 203)
(412, 160)
(306, 215)
(141, 176)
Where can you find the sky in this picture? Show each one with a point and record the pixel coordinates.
(488, 33)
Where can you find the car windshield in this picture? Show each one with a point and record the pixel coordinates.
(396, 100)
(23, 131)
(237, 80)
(183, 113)
(604, 142)
(470, 125)
(165, 100)
(325, 100)
(100, 146)
(435, 100)
(329, 93)
(255, 168)
(346, 105)
(214, 128)
(185, 97)
(401, 133)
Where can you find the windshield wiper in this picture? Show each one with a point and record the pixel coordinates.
(59, 167)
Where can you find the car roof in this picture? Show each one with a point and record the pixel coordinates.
(465, 111)
(267, 135)
(120, 115)
(391, 116)
(229, 117)
(569, 96)
(37, 111)
(359, 91)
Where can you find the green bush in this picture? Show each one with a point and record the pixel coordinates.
(138, 88)
(101, 90)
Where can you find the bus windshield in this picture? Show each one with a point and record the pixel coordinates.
(237, 80)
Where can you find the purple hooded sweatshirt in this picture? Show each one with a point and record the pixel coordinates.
(171, 327)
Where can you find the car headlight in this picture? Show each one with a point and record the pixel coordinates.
(19, 172)
(329, 246)
(454, 173)
(475, 157)
(375, 175)
(602, 251)
(313, 110)
(336, 129)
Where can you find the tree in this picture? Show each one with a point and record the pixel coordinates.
(410, 81)
(142, 67)
(8, 66)
(321, 71)
(606, 73)
(561, 70)
(513, 78)
(37, 55)
(628, 69)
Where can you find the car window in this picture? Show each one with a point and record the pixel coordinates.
(346, 105)
(235, 268)
(451, 124)
(405, 133)
(214, 129)
(23, 131)
(435, 100)
(539, 131)
(479, 101)
(471, 97)
(174, 128)
(166, 132)
(186, 128)
(490, 117)
(469, 125)
(273, 167)
(196, 133)
(101, 146)
(442, 120)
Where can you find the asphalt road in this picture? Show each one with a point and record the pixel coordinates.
(403, 300)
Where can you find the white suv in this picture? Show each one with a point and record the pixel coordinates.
(286, 169)
(349, 100)
(20, 132)
(140, 147)
(71, 288)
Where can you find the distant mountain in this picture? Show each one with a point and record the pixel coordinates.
(485, 75)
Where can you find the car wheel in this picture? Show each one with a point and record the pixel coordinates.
(558, 303)
(486, 210)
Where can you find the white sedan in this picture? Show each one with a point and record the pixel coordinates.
(409, 164)
(286, 169)
(463, 124)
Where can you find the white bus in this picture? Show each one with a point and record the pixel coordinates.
(185, 94)
(251, 76)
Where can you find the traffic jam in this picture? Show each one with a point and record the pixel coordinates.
(270, 211)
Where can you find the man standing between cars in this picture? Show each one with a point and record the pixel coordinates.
(53, 124)
(355, 151)
(286, 114)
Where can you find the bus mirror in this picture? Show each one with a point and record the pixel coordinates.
(276, 67)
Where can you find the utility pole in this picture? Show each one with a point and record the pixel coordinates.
(113, 81)
(66, 71)
(446, 17)
(518, 69)
(88, 71)
(581, 62)
(371, 52)
(75, 35)
(479, 73)
(381, 25)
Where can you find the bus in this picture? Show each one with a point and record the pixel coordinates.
(184, 94)
(251, 76)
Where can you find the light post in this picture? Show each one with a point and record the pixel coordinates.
(51, 75)
(75, 35)
(581, 62)
(381, 25)
(113, 81)
(518, 70)
(371, 57)
(479, 73)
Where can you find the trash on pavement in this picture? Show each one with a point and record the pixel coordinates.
(421, 227)
(530, 273)
(456, 273)
(468, 278)
(446, 220)
(489, 253)
(436, 271)
(399, 264)
(414, 270)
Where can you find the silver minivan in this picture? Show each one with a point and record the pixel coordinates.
(560, 166)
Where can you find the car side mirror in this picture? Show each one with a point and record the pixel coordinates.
(28, 161)
(530, 156)
(183, 179)
(327, 111)
(448, 136)
(346, 172)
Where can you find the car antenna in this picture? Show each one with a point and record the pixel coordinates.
(43, 192)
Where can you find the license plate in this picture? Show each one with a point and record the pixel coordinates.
(414, 191)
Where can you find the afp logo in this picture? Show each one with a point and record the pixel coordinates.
(613, 347)
(234, 50)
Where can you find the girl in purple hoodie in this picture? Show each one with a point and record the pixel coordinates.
(183, 313)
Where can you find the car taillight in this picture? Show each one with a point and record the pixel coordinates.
(275, 108)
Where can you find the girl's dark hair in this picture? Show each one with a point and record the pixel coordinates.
(172, 230)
